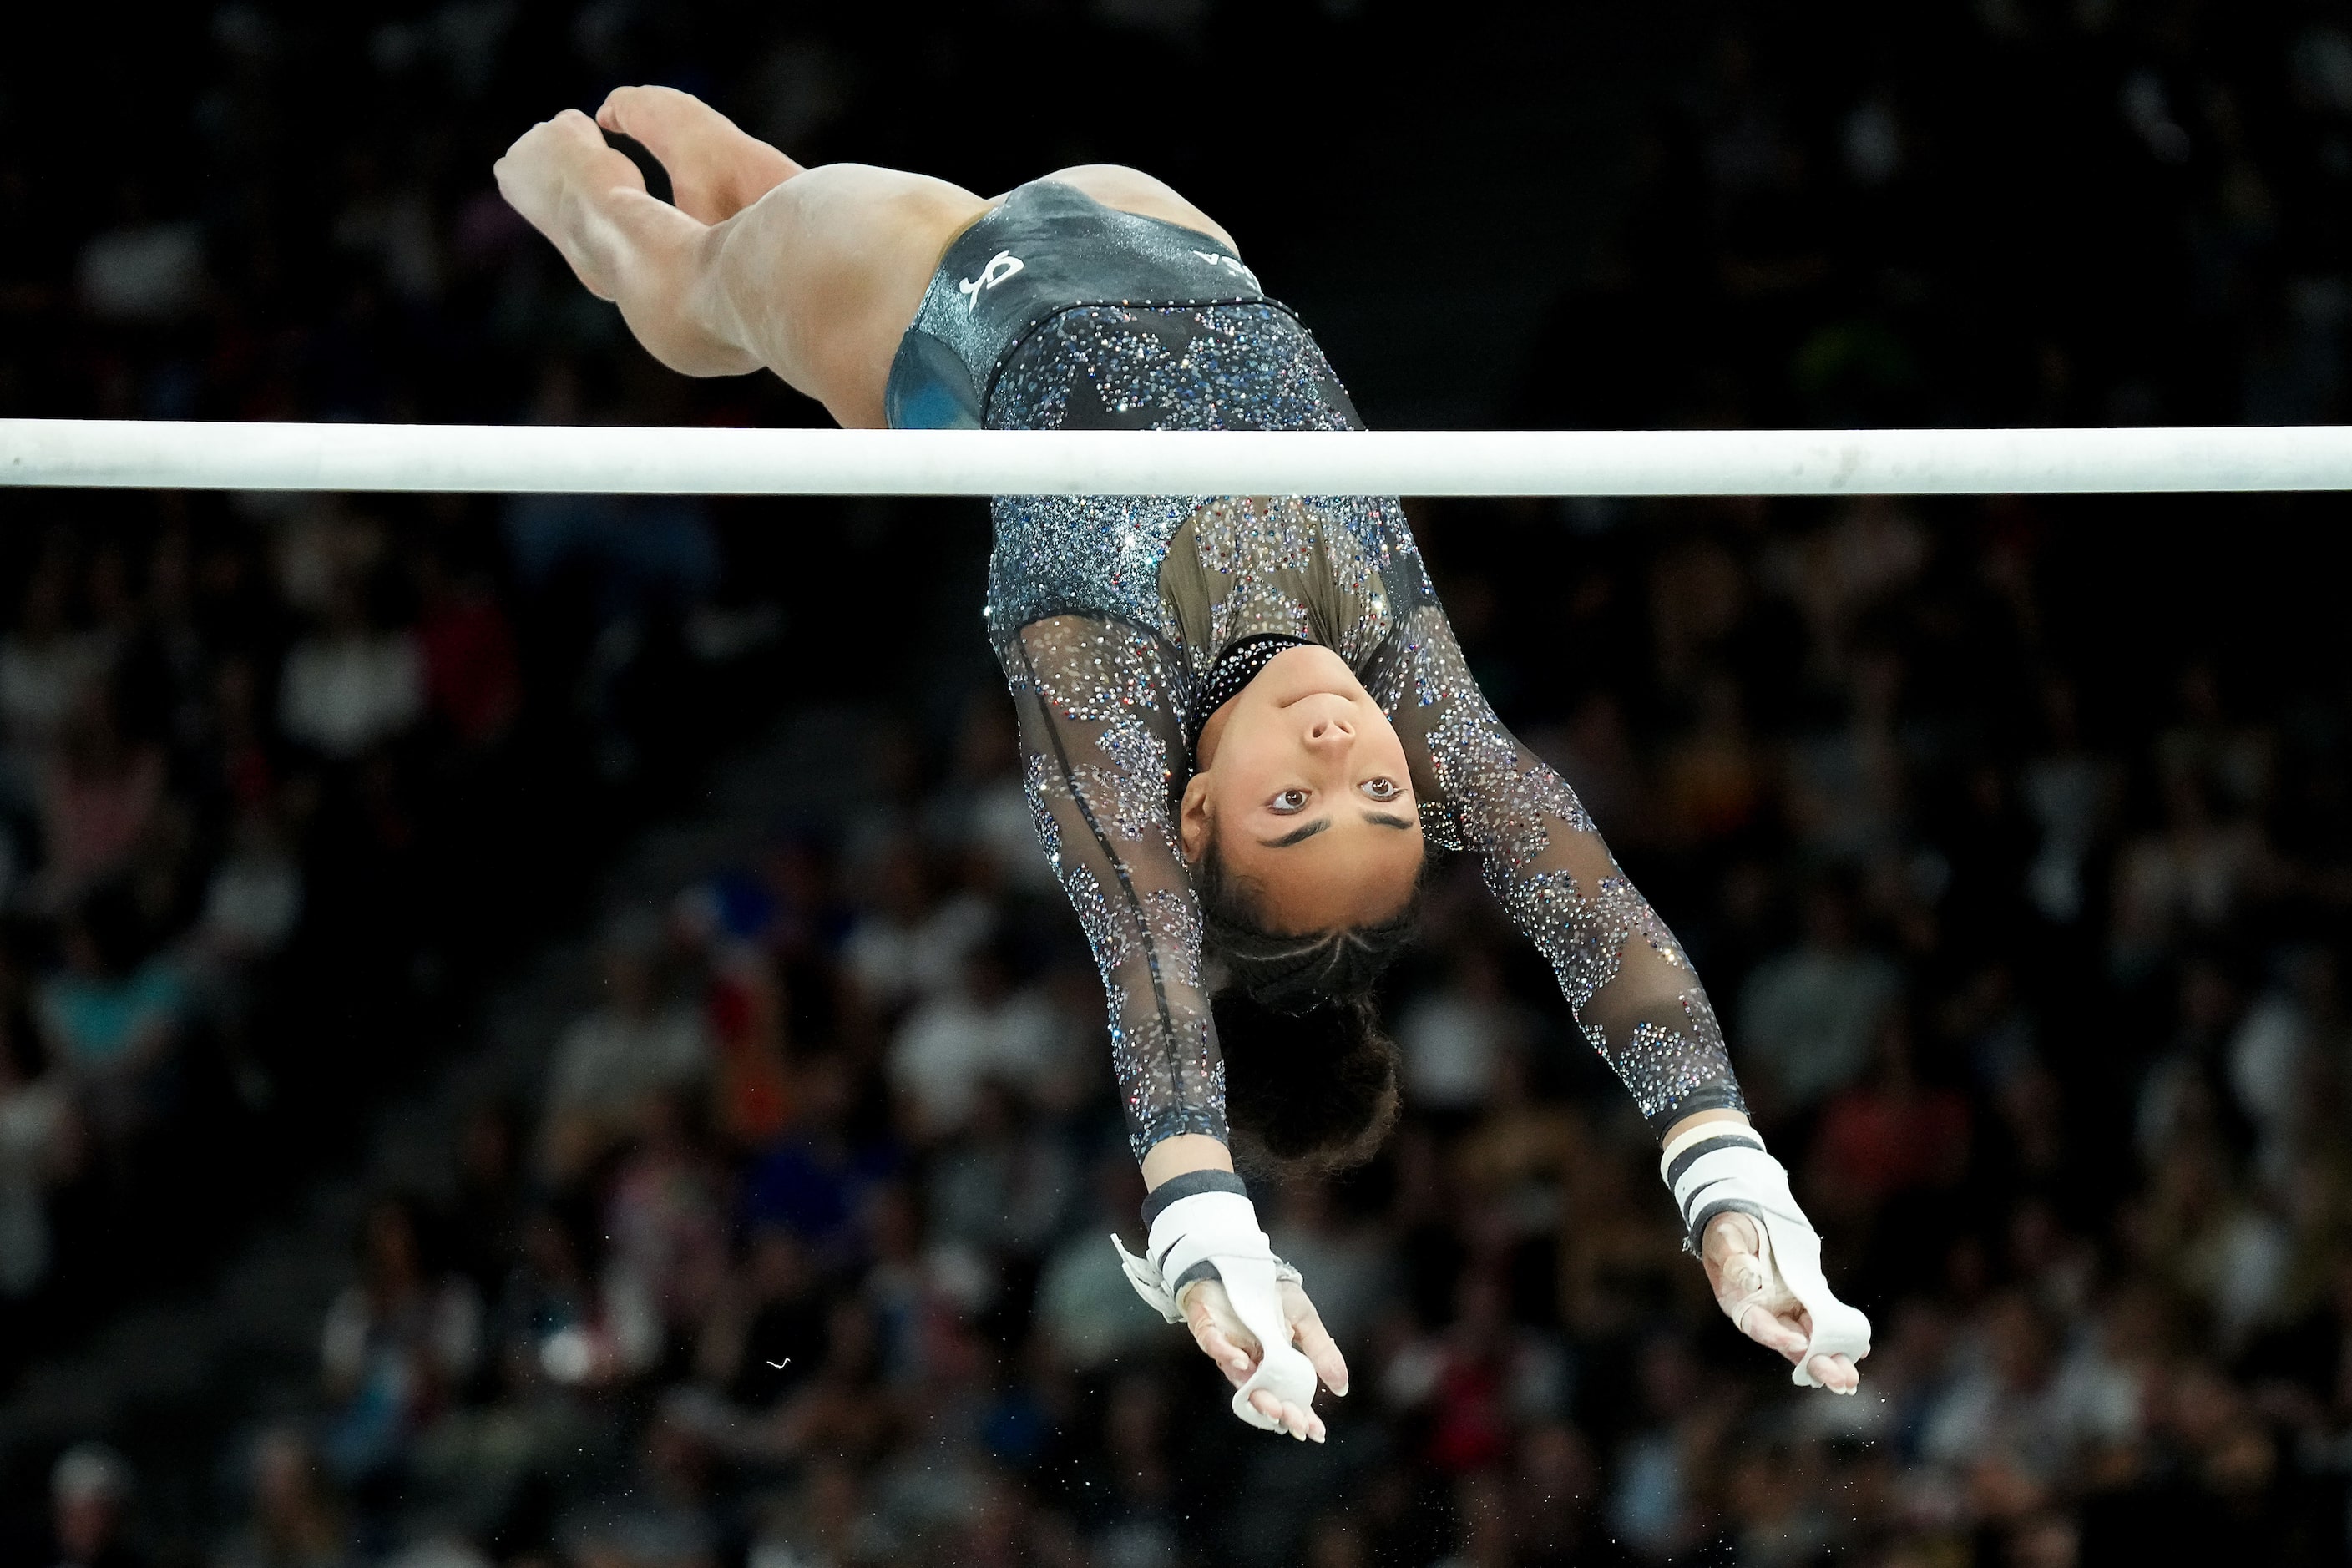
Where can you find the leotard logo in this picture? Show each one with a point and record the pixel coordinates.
(1231, 264)
(1000, 265)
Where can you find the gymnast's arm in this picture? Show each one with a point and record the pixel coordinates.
(1627, 982)
(1099, 735)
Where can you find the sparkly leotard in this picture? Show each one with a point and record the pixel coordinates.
(1109, 613)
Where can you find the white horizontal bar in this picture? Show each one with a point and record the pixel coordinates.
(156, 455)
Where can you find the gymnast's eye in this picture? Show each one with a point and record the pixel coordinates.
(1379, 789)
(1289, 803)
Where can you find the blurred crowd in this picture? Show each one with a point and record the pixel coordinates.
(2009, 838)
(263, 779)
(176, 727)
(798, 1255)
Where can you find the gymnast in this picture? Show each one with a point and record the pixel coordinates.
(1243, 720)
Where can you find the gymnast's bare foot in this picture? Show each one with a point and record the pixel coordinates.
(555, 175)
(716, 170)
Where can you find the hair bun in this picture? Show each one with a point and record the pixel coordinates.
(1319, 1087)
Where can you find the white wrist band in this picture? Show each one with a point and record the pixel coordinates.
(1722, 1168)
(1217, 1232)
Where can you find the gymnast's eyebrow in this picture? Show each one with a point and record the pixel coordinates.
(1384, 820)
(1297, 836)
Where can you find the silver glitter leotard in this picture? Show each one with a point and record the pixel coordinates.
(1108, 615)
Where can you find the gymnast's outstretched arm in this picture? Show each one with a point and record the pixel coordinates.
(1630, 987)
(1101, 725)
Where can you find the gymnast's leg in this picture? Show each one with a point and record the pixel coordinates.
(812, 273)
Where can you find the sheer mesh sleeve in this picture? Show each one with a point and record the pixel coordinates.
(1099, 727)
(1627, 981)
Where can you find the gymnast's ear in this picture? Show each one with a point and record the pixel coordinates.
(1193, 824)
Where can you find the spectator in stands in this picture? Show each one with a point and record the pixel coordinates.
(984, 1027)
(292, 1522)
(254, 898)
(1656, 1501)
(2070, 791)
(1887, 1135)
(1001, 1185)
(818, 1179)
(350, 687)
(472, 680)
(1807, 1017)
(765, 1335)
(616, 1059)
(37, 1129)
(1453, 1034)
(558, 1323)
(1479, 1383)
(1082, 1295)
(745, 1008)
(980, 809)
(112, 1015)
(47, 671)
(2186, 879)
(100, 801)
(90, 1492)
(667, 1518)
(1132, 1511)
(666, 1218)
(2011, 1424)
(244, 753)
(910, 942)
(397, 1345)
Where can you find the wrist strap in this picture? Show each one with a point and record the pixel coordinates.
(1164, 1238)
(1703, 1169)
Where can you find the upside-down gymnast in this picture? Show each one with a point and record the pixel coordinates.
(1243, 719)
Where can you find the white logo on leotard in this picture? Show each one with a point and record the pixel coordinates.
(1231, 264)
(1000, 265)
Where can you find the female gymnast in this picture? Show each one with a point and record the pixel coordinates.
(1242, 717)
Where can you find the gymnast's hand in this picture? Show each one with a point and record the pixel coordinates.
(1224, 1339)
(1752, 1295)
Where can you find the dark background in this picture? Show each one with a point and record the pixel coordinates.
(2007, 834)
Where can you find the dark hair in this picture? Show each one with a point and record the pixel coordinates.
(1310, 1078)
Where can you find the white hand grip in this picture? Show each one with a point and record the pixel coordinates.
(1794, 1252)
(1283, 1370)
(1147, 1282)
(1219, 1228)
(1714, 1168)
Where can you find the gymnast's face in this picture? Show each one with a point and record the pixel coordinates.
(1302, 781)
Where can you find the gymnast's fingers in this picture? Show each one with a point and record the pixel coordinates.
(1301, 1423)
(1772, 1331)
(1836, 1373)
(1316, 1341)
(1231, 1359)
(1199, 1316)
(1728, 1250)
(1734, 1271)
(1743, 1288)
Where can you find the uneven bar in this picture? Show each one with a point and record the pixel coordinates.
(156, 455)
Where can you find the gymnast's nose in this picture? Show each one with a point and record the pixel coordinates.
(1329, 729)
